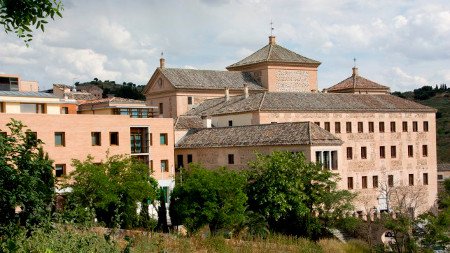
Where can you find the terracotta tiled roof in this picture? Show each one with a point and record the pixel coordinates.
(210, 79)
(113, 100)
(443, 167)
(357, 82)
(280, 134)
(80, 96)
(274, 53)
(187, 122)
(309, 102)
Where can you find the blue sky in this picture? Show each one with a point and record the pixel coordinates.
(401, 44)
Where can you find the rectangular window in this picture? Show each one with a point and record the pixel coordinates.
(161, 108)
(96, 138)
(317, 123)
(139, 140)
(425, 126)
(337, 127)
(393, 151)
(60, 139)
(405, 126)
(114, 138)
(415, 127)
(381, 127)
(350, 183)
(334, 160)
(327, 126)
(364, 182)
(189, 158)
(164, 166)
(411, 179)
(363, 152)
(390, 180)
(163, 139)
(2, 107)
(348, 127)
(319, 157)
(440, 177)
(60, 170)
(382, 152)
(64, 110)
(32, 108)
(375, 181)
(230, 159)
(360, 127)
(410, 151)
(392, 126)
(230, 123)
(180, 162)
(166, 194)
(425, 178)
(371, 127)
(424, 150)
(189, 100)
(349, 153)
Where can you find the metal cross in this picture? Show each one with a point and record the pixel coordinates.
(271, 28)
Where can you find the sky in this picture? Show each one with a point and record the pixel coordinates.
(403, 44)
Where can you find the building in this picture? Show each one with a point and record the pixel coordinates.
(15, 83)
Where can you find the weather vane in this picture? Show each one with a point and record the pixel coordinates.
(354, 62)
(271, 28)
(162, 54)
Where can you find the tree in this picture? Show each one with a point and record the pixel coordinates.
(162, 212)
(26, 179)
(111, 189)
(295, 196)
(208, 197)
(20, 16)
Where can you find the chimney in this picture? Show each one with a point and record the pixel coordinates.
(272, 40)
(206, 121)
(355, 71)
(162, 62)
(246, 90)
(227, 94)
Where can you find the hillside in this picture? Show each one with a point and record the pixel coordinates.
(124, 90)
(438, 98)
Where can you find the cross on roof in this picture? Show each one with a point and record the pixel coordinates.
(271, 28)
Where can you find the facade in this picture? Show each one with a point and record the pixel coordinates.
(15, 83)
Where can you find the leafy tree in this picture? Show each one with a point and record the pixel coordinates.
(208, 197)
(295, 196)
(20, 16)
(111, 189)
(26, 179)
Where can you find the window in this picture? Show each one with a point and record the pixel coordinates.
(363, 152)
(405, 126)
(349, 153)
(381, 127)
(164, 166)
(360, 127)
(410, 151)
(139, 140)
(166, 194)
(180, 162)
(337, 127)
(348, 127)
(334, 160)
(350, 183)
(317, 123)
(375, 181)
(411, 179)
(60, 170)
(327, 126)
(114, 138)
(415, 128)
(425, 126)
(64, 110)
(189, 100)
(440, 177)
(371, 127)
(392, 126)
(134, 112)
(382, 152)
(390, 180)
(189, 158)
(2, 107)
(96, 138)
(425, 178)
(424, 150)
(230, 123)
(32, 108)
(163, 139)
(161, 108)
(60, 139)
(230, 159)
(393, 151)
(364, 182)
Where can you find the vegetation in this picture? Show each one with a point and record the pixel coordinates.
(124, 90)
(109, 191)
(26, 180)
(438, 98)
(208, 197)
(21, 17)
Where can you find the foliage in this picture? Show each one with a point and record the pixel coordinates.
(26, 179)
(208, 197)
(124, 90)
(162, 212)
(295, 196)
(111, 189)
(20, 16)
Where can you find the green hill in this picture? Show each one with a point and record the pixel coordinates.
(124, 90)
